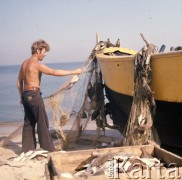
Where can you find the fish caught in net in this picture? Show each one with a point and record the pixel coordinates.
(139, 129)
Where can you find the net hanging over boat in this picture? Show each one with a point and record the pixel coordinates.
(139, 129)
(77, 102)
(81, 100)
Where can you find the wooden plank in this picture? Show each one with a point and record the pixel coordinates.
(68, 161)
(167, 156)
(63, 161)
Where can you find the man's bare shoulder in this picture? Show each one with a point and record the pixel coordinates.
(30, 62)
(25, 62)
(29, 65)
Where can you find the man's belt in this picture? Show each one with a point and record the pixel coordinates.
(32, 89)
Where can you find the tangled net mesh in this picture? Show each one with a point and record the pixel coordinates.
(81, 99)
(76, 102)
(139, 129)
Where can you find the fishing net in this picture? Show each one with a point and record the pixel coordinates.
(73, 104)
(78, 102)
(78, 106)
(139, 129)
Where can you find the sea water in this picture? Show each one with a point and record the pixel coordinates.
(10, 108)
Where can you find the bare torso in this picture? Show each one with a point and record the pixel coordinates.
(31, 74)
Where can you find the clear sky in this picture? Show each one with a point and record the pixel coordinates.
(70, 26)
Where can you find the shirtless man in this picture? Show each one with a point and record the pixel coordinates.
(28, 85)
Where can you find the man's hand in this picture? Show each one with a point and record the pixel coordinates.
(77, 71)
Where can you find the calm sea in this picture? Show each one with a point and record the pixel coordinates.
(10, 108)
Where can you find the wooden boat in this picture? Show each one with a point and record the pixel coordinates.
(118, 76)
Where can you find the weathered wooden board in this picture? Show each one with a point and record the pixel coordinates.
(63, 161)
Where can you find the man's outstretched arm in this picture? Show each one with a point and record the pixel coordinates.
(57, 72)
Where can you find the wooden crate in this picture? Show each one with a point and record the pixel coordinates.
(63, 161)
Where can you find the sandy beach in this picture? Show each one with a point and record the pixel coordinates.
(10, 169)
(34, 169)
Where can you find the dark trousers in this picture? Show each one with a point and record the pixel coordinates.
(35, 113)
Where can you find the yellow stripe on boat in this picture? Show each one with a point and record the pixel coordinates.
(118, 74)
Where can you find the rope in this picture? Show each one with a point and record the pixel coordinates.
(139, 128)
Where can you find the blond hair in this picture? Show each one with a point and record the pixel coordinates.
(40, 44)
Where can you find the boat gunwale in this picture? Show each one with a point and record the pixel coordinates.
(126, 57)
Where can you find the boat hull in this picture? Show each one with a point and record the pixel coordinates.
(167, 121)
(118, 76)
